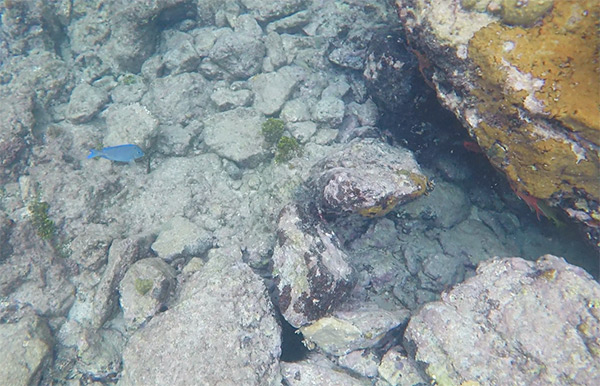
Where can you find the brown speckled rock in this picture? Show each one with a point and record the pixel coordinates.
(367, 177)
(310, 270)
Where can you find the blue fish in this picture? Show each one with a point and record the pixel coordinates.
(121, 153)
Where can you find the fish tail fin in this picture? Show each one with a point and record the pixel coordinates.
(93, 153)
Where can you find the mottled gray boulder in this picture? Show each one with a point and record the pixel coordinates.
(238, 54)
(134, 27)
(227, 99)
(296, 110)
(222, 331)
(145, 287)
(516, 322)
(131, 123)
(178, 98)
(266, 10)
(179, 237)
(358, 326)
(317, 370)
(272, 89)
(310, 270)
(276, 56)
(329, 110)
(26, 343)
(236, 135)
(368, 177)
(86, 101)
(181, 55)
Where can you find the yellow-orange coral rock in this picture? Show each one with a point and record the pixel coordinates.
(549, 73)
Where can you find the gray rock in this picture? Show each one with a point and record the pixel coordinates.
(441, 271)
(475, 241)
(33, 275)
(129, 124)
(329, 110)
(145, 287)
(516, 322)
(134, 27)
(325, 137)
(296, 110)
(272, 89)
(310, 269)
(337, 89)
(121, 255)
(398, 369)
(290, 24)
(276, 56)
(178, 140)
(247, 25)
(317, 370)
(446, 206)
(48, 84)
(227, 99)
(358, 326)
(368, 177)
(130, 89)
(238, 54)
(179, 237)
(264, 10)
(302, 131)
(363, 362)
(86, 101)
(178, 98)
(99, 354)
(17, 122)
(204, 39)
(26, 348)
(180, 52)
(366, 113)
(89, 249)
(236, 135)
(221, 331)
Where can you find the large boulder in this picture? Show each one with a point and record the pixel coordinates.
(222, 331)
(311, 271)
(521, 76)
(516, 322)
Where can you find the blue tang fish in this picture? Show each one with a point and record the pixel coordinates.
(121, 153)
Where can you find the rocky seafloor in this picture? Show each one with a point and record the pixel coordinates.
(300, 182)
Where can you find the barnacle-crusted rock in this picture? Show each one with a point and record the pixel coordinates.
(516, 322)
(368, 177)
(528, 95)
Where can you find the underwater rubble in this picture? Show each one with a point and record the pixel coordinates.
(300, 182)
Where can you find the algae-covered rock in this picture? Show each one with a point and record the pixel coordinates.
(522, 77)
(524, 12)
